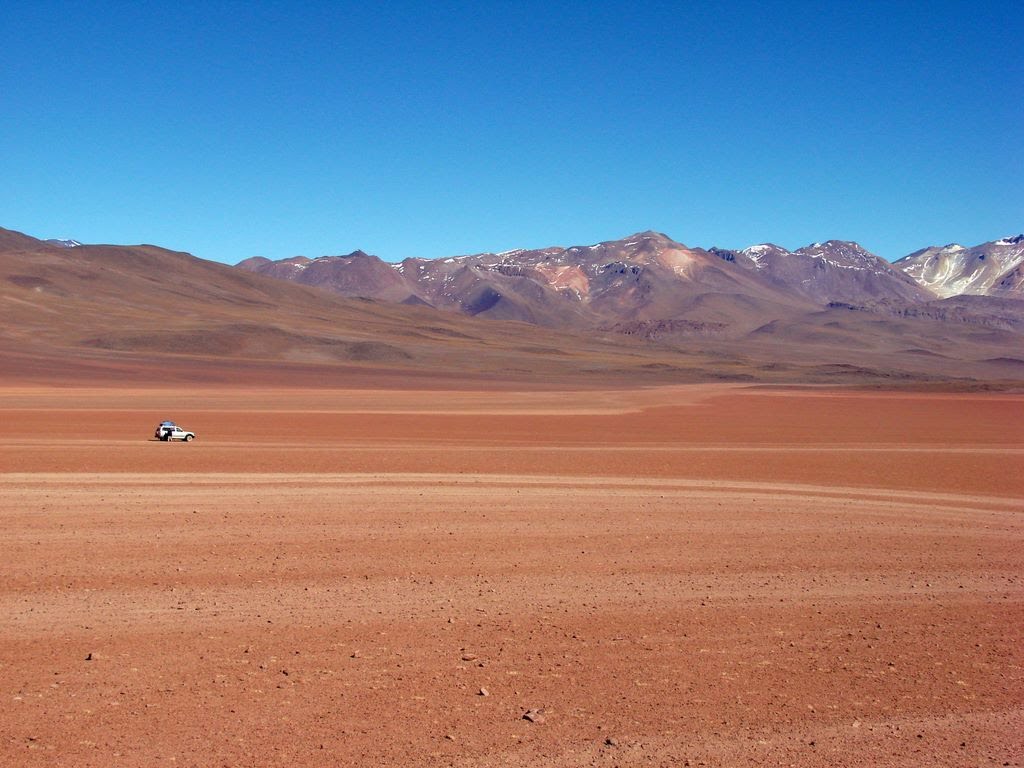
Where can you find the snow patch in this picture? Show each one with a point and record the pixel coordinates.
(756, 253)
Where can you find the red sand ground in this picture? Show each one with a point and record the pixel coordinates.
(705, 574)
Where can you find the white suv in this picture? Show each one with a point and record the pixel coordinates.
(168, 431)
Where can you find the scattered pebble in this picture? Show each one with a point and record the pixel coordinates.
(534, 715)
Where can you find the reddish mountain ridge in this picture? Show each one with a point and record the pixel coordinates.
(643, 283)
(646, 284)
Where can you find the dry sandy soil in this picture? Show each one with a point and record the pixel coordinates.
(702, 575)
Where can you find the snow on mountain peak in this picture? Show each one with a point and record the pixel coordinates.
(953, 270)
(757, 253)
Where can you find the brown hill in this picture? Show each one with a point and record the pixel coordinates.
(356, 275)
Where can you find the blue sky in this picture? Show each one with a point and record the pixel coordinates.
(432, 129)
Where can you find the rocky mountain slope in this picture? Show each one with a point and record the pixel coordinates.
(991, 269)
(834, 271)
(632, 285)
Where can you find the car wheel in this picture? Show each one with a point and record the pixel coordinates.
(188, 438)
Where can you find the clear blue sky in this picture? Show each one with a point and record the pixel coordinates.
(431, 129)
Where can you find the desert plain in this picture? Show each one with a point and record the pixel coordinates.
(420, 575)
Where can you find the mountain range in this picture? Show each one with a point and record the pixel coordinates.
(651, 286)
(644, 306)
(650, 274)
